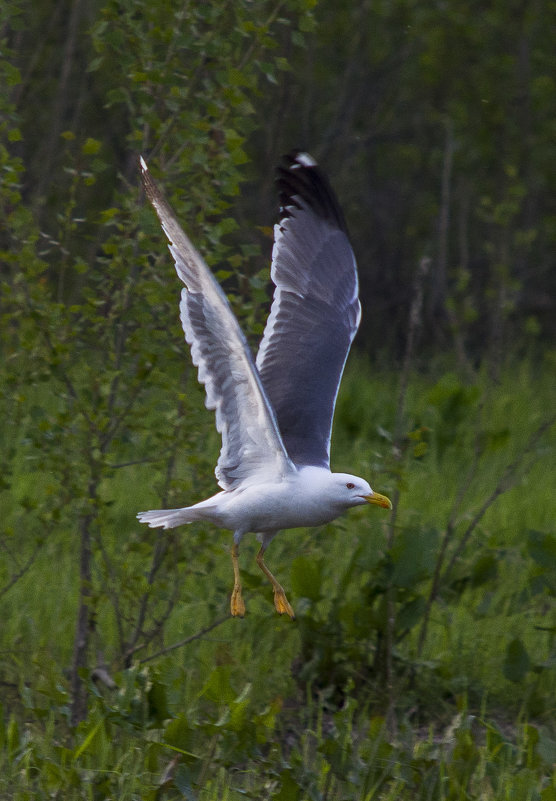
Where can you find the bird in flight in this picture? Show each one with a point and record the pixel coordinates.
(275, 412)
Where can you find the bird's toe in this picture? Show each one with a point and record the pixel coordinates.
(283, 606)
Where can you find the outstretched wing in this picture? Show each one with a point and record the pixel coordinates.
(251, 442)
(315, 312)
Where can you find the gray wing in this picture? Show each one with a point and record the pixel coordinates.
(315, 312)
(251, 442)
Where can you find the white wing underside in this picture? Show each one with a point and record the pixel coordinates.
(251, 442)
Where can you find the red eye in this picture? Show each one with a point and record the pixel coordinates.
(349, 485)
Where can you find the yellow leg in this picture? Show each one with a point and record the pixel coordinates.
(280, 601)
(237, 607)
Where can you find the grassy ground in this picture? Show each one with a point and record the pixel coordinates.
(267, 708)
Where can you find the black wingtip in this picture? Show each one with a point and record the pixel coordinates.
(301, 181)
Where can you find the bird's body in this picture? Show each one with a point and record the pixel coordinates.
(275, 414)
(310, 496)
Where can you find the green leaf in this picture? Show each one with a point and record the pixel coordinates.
(12, 736)
(546, 749)
(218, 688)
(517, 662)
(180, 736)
(306, 578)
(289, 788)
(88, 740)
(413, 556)
(109, 214)
(542, 548)
(91, 147)
(184, 783)
(411, 613)
(158, 702)
(239, 709)
(485, 569)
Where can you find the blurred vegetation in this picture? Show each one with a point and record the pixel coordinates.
(421, 664)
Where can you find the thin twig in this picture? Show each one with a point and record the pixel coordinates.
(446, 539)
(187, 640)
(21, 572)
(111, 587)
(163, 540)
(505, 483)
(470, 475)
(415, 313)
(146, 460)
(158, 623)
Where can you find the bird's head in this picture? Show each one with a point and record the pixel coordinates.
(355, 491)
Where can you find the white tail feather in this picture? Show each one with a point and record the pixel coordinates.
(168, 518)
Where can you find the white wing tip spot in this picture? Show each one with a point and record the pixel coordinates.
(304, 160)
(143, 164)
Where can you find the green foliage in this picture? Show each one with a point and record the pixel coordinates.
(440, 128)
(86, 301)
(453, 403)
(338, 755)
(517, 661)
(121, 675)
(297, 708)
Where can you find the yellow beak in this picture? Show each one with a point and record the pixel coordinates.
(379, 500)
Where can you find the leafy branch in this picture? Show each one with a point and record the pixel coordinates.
(511, 474)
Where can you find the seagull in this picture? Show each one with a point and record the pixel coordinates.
(274, 413)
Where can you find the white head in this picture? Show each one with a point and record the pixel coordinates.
(341, 490)
(354, 491)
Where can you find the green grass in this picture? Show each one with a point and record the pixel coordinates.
(267, 708)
